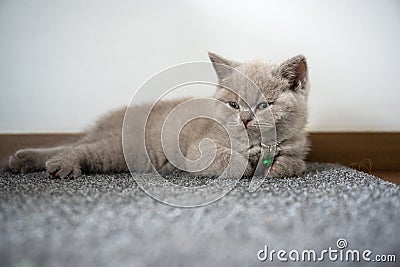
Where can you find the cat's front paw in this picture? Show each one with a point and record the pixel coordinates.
(62, 168)
(286, 167)
(24, 161)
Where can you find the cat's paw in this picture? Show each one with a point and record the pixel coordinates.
(24, 161)
(62, 168)
(286, 167)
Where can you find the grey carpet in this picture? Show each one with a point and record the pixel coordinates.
(106, 220)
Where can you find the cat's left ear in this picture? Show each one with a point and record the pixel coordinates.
(295, 71)
(223, 67)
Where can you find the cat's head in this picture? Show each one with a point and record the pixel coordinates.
(283, 92)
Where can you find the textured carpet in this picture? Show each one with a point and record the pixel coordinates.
(106, 220)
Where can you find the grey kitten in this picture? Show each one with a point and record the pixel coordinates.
(284, 87)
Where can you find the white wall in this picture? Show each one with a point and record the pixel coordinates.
(62, 63)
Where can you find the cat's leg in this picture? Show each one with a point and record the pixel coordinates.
(102, 156)
(287, 166)
(33, 159)
(223, 156)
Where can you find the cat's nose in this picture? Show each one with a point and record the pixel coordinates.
(245, 122)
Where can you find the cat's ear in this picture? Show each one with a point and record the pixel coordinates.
(220, 64)
(294, 70)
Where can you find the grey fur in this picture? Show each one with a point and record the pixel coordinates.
(100, 149)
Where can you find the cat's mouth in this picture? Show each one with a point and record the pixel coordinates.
(260, 126)
(253, 126)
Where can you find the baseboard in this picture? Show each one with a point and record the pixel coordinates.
(365, 151)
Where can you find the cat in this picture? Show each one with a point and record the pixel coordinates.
(285, 88)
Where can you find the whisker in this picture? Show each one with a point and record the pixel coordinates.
(263, 124)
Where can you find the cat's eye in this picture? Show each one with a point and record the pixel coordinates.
(263, 105)
(233, 104)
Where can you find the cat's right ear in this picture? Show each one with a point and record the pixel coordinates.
(220, 65)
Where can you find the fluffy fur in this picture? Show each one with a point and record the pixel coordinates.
(284, 86)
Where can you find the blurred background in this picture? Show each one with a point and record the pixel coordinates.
(64, 63)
